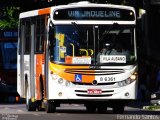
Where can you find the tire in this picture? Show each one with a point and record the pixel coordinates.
(118, 109)
(50, 107)
(90, 108)
(31, 106)
(102, 109)
(39, 106)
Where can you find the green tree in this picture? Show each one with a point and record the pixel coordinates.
(9, 18)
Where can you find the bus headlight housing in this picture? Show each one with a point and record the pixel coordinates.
(63, 82)
(54, 76)
(134, 76)
(124, 82)
(60, 80)
(128, 81)
(67, 83)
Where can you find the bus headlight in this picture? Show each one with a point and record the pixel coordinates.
(120, 84)
(60, 80)
(67, 83)
(133, 77)
(63, 82)
(54, 76)
(128, 81)
(124, 82)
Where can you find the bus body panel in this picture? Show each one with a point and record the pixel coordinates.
(109, 88)
(65, 93)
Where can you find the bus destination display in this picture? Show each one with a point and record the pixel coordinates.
(93, 14)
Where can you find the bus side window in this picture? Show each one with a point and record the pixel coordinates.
(40, 35)
(52, 41)
(27, 37)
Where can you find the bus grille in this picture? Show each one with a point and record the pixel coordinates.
(84, 93)
(95, 71)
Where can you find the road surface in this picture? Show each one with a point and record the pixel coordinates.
(73, 112)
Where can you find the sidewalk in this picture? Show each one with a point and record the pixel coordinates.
(138, 104)
(144, 105)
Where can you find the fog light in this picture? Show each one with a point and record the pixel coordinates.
(60, 93)
(126, 94)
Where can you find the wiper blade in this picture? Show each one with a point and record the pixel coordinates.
(105, 33)
(80, 32)
(77, 27)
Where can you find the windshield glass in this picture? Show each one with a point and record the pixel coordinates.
(92, 44)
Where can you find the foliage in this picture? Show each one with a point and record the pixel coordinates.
(155, 107)
(10, 18)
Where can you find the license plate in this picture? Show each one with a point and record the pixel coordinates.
(94, 91)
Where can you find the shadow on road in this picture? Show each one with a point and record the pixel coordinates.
(127, 112)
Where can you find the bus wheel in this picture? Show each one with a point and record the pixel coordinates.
(118, 109)
(50, 107)
(101, 108)
(39, 106)
(31, 106)
(90, 108)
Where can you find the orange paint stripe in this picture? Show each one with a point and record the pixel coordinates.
(44, 11)
(60, 70)
(38, 72)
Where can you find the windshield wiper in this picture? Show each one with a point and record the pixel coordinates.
(106, 32)
(80, 32)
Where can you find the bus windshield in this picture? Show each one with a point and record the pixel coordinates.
(92, 44)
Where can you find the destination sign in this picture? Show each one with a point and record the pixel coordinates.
(94, 13)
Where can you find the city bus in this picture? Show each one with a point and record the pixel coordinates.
(61, 60)
(8, 65)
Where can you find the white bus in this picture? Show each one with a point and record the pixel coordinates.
(78, 53)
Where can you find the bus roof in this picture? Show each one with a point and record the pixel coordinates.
(81, 4)
(71, 5)
(35, 13)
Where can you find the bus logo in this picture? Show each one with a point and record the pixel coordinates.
(78, 78)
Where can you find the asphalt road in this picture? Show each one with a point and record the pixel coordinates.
(73, 112)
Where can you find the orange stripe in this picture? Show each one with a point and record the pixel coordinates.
(60, 70)
(44, 11)
(38, 72)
